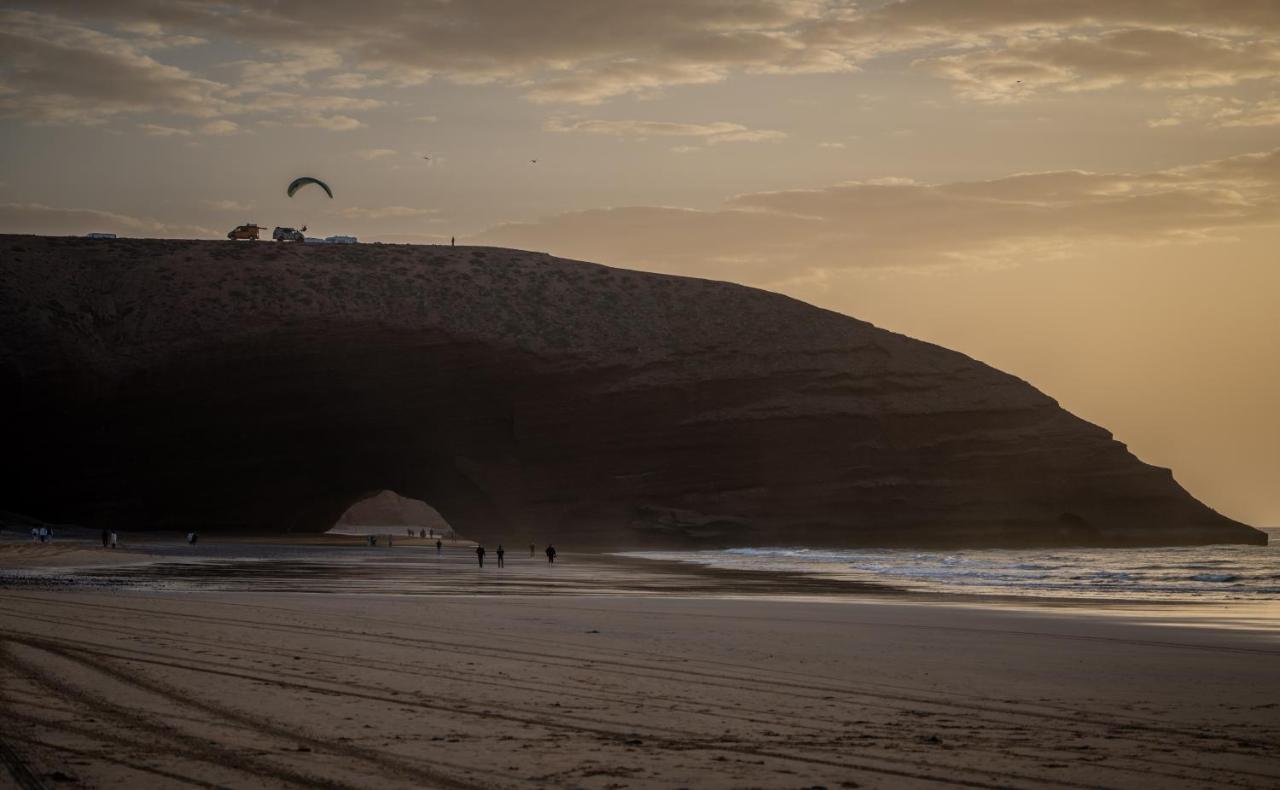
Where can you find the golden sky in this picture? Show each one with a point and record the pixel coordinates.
(1085, 194)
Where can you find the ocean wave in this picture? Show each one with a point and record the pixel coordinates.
(1174, 573)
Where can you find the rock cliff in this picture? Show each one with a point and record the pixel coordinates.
(259, 386)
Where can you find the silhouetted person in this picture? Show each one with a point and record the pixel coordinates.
(451, 241)
(422, 533)
(106, 538)
(115, 539)
(439, 546)
(480, 555)
(551, 554)
(531, 548)
(500, 553)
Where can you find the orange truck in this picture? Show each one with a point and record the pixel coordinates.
(245, 233)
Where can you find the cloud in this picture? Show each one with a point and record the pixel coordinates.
(566, 51)
(220, 128)
(156, 130)
(354, 212)
(768, 237)
(1220, 112)
(831, 145)
(227, 205)
(719, 132)
(56, 71)
(369, 154)
(334, 123)
(557, 51)
(1157, 59)
(48, 220)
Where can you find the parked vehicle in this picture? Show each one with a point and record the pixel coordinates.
(100, 235)
(245, 233)
(289, 234)
(341, 239)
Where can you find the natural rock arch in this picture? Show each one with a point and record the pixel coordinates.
(261, 386)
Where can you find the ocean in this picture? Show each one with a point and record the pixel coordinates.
(1182, 573)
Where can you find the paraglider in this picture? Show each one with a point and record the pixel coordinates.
(299, 183)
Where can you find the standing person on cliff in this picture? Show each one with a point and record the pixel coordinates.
(551, 554)
(480, 555)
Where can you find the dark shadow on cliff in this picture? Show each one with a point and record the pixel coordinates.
(259, 387)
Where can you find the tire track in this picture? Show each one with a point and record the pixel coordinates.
(690, 734)
(686, 741)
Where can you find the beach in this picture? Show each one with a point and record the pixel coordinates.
(599, 673)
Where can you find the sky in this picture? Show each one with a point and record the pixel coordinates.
(1084, 193)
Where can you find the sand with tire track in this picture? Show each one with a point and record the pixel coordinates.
(221, 689)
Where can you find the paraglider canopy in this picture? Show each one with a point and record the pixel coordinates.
(299, 183)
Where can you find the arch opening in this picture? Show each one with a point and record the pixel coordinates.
(387, 512)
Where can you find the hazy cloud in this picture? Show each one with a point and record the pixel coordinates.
(51, 221)
(220, 128)
(385, 212)
(767, 237)
(369, 154)
(334, 123)
(156, 130)
(1220, 111)
(1162, 59)
(228, 205)
(719, 132)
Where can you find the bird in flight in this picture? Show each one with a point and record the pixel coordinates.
(533, 161)
(427, 158)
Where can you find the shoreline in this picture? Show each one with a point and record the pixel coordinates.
(220, 565)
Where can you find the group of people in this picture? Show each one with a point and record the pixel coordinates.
(110, 539)
(41, 534)
(501, 552)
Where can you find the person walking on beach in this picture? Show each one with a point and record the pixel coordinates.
(480, 555)
(500, 553)
(106, 538)
(439, 546)
(551, 554)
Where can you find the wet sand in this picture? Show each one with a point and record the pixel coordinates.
(601, 674)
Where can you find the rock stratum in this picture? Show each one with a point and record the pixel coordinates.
(260, 386)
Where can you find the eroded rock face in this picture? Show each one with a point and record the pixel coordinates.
(220, 385)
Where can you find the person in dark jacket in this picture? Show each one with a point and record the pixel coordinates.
(480, 555)
(501, 551)
(551, 554)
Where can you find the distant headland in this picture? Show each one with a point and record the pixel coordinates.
(222, 385)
